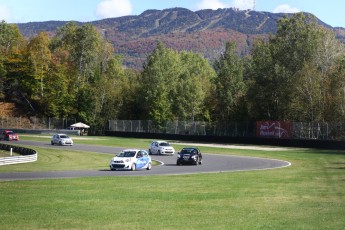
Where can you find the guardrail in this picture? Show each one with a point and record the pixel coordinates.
(28, 155)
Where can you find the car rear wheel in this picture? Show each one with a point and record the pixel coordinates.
(133, 167)
(52, 142)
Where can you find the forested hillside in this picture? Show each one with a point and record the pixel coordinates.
(204, 31)
(296, 74)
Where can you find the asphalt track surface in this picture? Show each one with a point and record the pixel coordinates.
(212, 163)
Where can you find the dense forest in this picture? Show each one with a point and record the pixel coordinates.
(297, 74)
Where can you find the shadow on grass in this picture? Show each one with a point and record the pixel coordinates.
(325, 151)
(338, 165)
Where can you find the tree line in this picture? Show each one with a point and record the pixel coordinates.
(297, 74)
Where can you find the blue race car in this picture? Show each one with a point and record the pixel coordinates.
(131, 159)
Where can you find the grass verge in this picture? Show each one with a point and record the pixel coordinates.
(308, 195)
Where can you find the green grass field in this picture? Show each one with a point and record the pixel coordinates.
(310, 194)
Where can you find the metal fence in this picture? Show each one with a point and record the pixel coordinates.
(299, 130)
(319, 131)
(35, 123)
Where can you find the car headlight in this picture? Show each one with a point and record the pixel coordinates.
(178, 156)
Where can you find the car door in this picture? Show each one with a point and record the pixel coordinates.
(58, 139)
(155, 147)
(54, 139)
(140, 163)
(146, 158)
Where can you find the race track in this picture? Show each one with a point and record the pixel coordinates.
(211, 164)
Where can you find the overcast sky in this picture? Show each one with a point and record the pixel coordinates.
(16, 11)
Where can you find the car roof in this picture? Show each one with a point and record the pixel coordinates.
(131, 150)
(190, 148)
(134, 150)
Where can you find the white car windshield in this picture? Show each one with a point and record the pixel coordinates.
(127, 154)
(164, 144)
(64, 136)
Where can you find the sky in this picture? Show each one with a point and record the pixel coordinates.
(21, 11)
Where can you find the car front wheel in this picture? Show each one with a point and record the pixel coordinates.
(149, 166)
(133, 168)
(52, 142)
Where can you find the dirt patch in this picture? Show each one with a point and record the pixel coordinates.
(7, 109)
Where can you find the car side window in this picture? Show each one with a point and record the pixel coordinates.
(140, 154)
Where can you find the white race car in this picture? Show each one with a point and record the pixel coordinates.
(131, 159)
(61, 139)
(161, 148)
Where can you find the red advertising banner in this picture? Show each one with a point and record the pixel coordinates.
(274, 129)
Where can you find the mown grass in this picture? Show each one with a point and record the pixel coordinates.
(308, 195)
(4, 153)
(99, 140)
(59, 160)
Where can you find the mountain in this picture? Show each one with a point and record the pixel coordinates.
(204, 31)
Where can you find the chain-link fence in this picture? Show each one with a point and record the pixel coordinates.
(319, 131)
(299, 130)
(35, 123)
(184, 127)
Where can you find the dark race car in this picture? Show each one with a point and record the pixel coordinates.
(189, 156)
